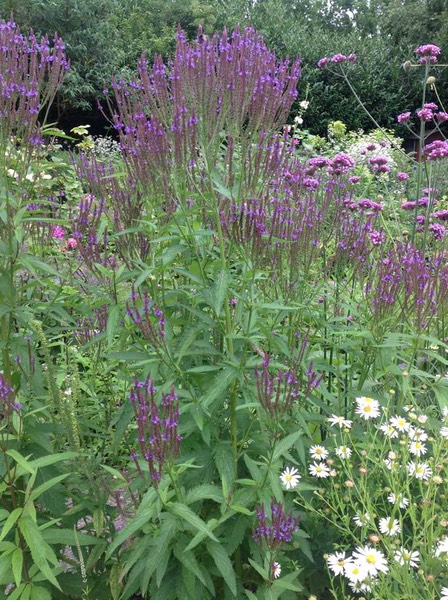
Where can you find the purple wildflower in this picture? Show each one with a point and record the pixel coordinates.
(436, 150)
(323, 62)
(402, 176)
(404, 117)
(276, 531)
(438, 231)
(428, 53)
(340, 164)
(338, 58)
(425, 114)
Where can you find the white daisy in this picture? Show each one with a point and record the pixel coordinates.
(337, 561)
(444, 592)
(389, 526)
(401, 500)
(400, 423)
(407, 557)
(343, 452)
(419, 470)
(417, 434)
(319, 470)
(391, 465)
(360, 586)
(373, 560)
(369, 410)
(417, 448)
(445, 411)
(388, 430)
(276, 570)
(290, 478)
(442, 546)
(444, 432)
(335, 420)
(361, 520)
(318, 452)
(355, 571)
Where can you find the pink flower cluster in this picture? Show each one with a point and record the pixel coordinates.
(429, 111)
(336, 59)
(436, 150)
(427, 53)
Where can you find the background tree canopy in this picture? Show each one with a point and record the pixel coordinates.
(106, 37)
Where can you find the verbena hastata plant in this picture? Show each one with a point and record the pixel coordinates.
(187, 320)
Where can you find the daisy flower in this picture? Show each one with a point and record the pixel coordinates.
(417, 448)
(407, 557)
(367, 410)
(343, 452)
(290, 478)
(391, 465)
(318, 452)
(389, 526)
(445, 411)
(361, 520)
(355, 571)
(444, 433)
(400, 423)
(319, 470)
(340, 421)
(419, 470)
(444, 592)
(360, 586)
(276, 570)
(388, 430)
(337, 561)
(373, 560)
(442, 546)
(417, 434)
(401, 500)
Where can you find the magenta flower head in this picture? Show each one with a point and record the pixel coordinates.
(323, 62)
(436, 150)
(338, 58)
(278, 529)
(427, 53)
(402, 176)
(442, 116)
(352, 57)
(404, 117)
(425, 114)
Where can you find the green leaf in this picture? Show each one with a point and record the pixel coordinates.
(39, 593)
(17, 565)
(47, 485)
(141, 519)
(223, 563)
(285, 444)
(21, 461)
(39, 549)
(219, 385)
(186, 514)
(10, 522)
(66, 537)
(112, 323)
(188, 559)
(202, 492)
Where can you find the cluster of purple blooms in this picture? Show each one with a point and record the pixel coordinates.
(336, 59)
(158, 438)
(31, 72)
(88, 328)
(427, 53)
(429, 111)
(276, 531)
(148, 318)
(278, 392)
(8, 402)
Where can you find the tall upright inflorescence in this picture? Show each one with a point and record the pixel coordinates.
(31, 72)
(158, 438)
(175, 117)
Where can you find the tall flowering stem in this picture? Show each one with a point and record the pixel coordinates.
(158, 438)
(277, 530)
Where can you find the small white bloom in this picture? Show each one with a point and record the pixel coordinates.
(401, 500)
(417, 434)
(389, 526)
(337, 561)
(290, 478)
(444, 592)
(391, 465)
(318, 452)
(12, 173)
(419, 470)
(407, 557)
(355, 571)
(319, 470)
(276, 570)
(298, 120)
(444, 432)
(304, 104)
(343, 452)
(422, 419)
(442, 546)
(400, 423)
(361, 520)
(445, 411)
(335, 420)
(369, 410)
(30, 177)
(389, 431)
(360, 586)
(417, 448)
(373, 560)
